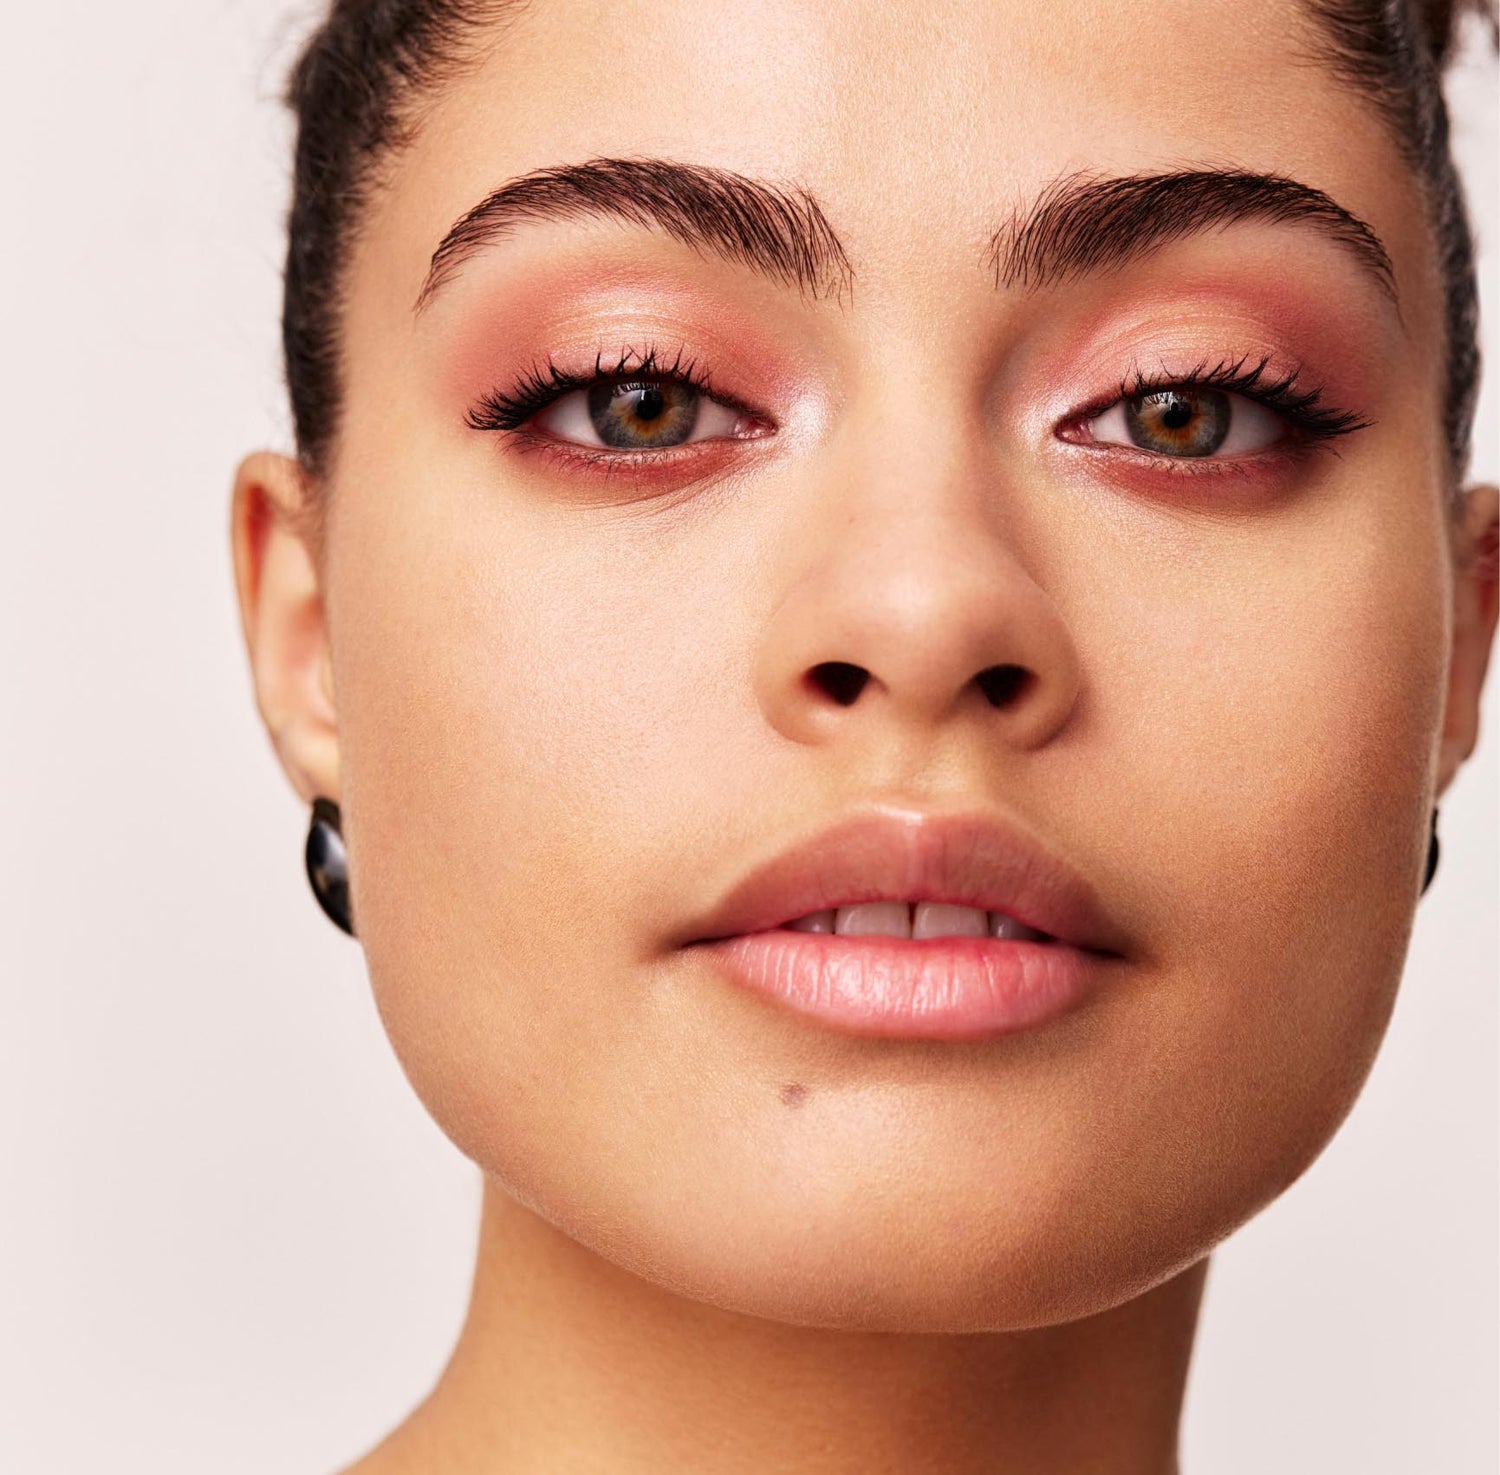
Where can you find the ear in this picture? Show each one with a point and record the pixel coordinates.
(1477, 570)
(278, 581)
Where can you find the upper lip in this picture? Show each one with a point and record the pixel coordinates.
(965, 859)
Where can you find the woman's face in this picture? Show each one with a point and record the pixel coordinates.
(572, 682)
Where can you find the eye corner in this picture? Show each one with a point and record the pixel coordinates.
(1074, 429)
(761, 427)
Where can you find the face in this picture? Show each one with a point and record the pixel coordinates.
(574, 661)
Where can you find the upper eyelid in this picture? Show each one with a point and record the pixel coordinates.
(702, 387)
(1304, 416)
(1228, 376)
(539, 387)
(1304, 410)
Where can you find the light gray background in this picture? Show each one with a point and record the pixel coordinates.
(231, 1240)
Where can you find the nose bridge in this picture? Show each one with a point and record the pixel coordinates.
(907, 590)
(917, 558)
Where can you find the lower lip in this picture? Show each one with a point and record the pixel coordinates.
(945, 988)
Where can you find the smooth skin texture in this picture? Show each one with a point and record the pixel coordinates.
(564, 712)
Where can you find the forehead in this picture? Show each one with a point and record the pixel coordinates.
(917, 126)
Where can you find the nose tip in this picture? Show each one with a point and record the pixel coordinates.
(910, 590)
(934, 622)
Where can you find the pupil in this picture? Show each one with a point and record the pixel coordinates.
(1179, 412)
(650, 402)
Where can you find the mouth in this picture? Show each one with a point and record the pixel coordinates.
(907, 925)
(917, 920)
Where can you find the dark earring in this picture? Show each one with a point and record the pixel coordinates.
(1432, 855)
(327, 868)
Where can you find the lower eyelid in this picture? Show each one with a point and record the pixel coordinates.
(660, 479)
(1131, 463)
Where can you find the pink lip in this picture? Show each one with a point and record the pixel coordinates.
(933, 988)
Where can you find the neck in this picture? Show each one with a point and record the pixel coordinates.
(568, 1362)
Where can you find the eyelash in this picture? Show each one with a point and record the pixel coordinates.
(537, 388)
(1304, 410)
(1311, 420)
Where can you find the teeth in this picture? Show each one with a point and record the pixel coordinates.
(931, 919)
(814, 922)
(936, 919)
(875, 918)
(1003, 927)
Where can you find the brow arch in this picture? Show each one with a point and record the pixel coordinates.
(1085, 222)
(777, 230)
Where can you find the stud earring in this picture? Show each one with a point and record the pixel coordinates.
(1432, 855)
(327, 866)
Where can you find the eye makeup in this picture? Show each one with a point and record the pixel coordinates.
(1192, 415)
(1306, 409)
(645, 412)
(538, 387)
(644, 394)
(1216, 373)
(658, 411)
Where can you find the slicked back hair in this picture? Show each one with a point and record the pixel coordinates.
(1394, 53)
(358, 86)
(356, 92)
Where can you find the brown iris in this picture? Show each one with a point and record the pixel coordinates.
(644, 413)
(1178, 422)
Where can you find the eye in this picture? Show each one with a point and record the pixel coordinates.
(1187, 421)
(638, 414)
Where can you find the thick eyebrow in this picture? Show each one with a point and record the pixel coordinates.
(778, 231)
(1086, 222)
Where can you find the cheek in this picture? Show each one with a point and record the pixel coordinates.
(523, 712)
(1288, 737)
(1272, 723)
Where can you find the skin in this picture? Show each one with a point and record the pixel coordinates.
(563, 714)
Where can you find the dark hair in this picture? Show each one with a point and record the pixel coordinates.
(358, 86)
(356, 91)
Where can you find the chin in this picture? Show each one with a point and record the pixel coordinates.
(894, 1256)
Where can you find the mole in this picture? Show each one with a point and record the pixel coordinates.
(793, 1094)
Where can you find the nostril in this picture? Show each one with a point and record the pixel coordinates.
(1003, 684)
(839, 680)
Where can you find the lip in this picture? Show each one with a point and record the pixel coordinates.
(964, 859)
(939, 988)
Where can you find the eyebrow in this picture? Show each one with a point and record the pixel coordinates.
(1084, 223)
(779, 231)
(1079, 224)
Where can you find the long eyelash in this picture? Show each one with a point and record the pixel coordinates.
(538, 387)
(1303, 408)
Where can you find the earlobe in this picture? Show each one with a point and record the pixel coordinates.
(1476, 576)
(282, 619)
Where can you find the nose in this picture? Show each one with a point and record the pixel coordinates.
(907, 601)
